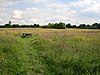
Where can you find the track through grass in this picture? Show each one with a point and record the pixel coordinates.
(50, 52)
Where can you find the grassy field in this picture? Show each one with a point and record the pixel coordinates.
(50, 52)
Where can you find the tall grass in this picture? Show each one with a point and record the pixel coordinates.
(50, 52)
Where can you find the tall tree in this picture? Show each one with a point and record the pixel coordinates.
(9, 22)
(68, 25)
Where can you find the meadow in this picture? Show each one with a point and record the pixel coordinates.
(50, 52)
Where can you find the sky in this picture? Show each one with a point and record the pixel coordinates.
(49, 11)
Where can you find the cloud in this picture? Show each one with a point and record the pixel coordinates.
(95, 8)
(2, 11)
(45, 11)
(38, 1)
(17, 14)
(51, 13)
(60, 9)
(87, 11)
(6, 3)
(86, 6)
(14, 2)
(0, 20)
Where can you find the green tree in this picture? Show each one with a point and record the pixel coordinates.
(36, 26)
(74, 26)
(68, 25)
(8, 25)
(96, 26)
(61, 25)
(9, 22)
(15, 26)
(82, 26)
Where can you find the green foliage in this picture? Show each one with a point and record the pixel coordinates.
(60, 25)
(74, 55)
(68, 25)
(51, 52)
(96, 26)
(7, 26)
(9, 23)
(83, 26)
(15, 26)
(11, 57)
(56, 25)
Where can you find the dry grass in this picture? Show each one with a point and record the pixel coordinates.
(50, 52)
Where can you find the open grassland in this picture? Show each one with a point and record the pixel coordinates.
(50, 52)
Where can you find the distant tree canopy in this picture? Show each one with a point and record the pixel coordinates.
(68, 25)
(15, 26)
(96, 26)
(10, 25)
(83, 26)
(63, 26)
(59, 25)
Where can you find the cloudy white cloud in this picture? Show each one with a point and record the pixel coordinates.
(38, 1)
(0, 20)
(17, 14)
(45, 11)
(87, 6)
(6, 3)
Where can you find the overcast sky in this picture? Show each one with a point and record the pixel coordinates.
(45, 11)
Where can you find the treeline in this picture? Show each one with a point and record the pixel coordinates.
(20, 26)
(60, 25)
(10, 25)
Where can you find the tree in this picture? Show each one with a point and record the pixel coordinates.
(15, 26)
(51, 25)
(61, 25)
(45, 26)
(8, 25)
(99, 25)
(74, 26)
(68, 25)
(82, 26)
(9, 22)
(36, 26)
(88, 26)
(96, 26)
